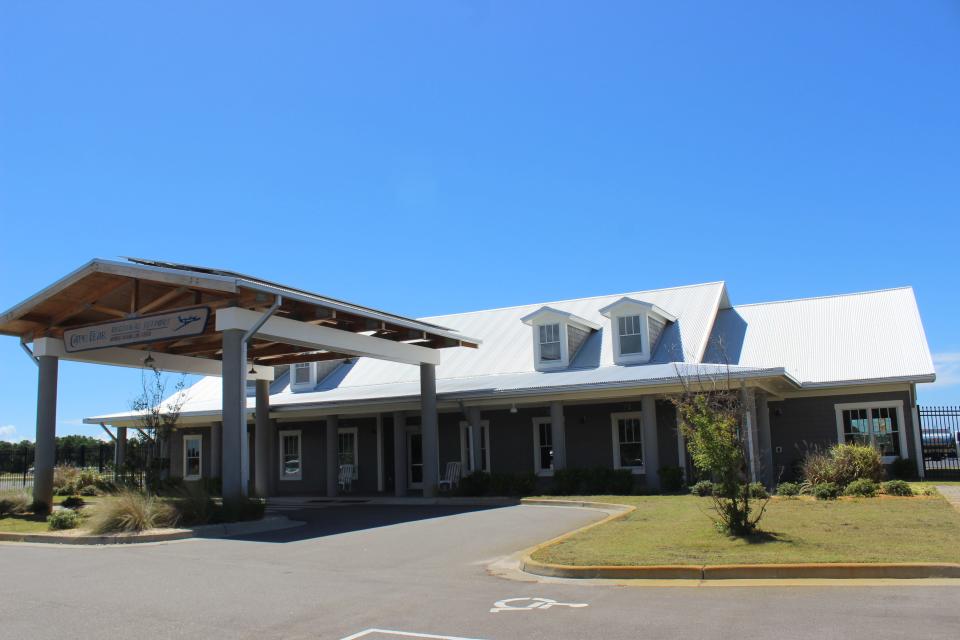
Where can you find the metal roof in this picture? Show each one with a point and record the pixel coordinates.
(827, 341)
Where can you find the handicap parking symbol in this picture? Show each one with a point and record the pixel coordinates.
(529, 604)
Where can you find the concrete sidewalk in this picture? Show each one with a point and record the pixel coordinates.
(951, 493)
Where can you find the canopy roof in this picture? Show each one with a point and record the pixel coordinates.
(103, 291)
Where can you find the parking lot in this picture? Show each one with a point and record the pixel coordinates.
(390, 572)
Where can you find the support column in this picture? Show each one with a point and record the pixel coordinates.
(235, 448)
(45, 451)
(764, 440)
(682, 453)
(428, 422)
(651, 444)
(748, 403)
(261, 439)
(473, 418)
(333, 460)
(216, 448)
(120, 450)
(399, 454)
(558, 432)
(175, 453)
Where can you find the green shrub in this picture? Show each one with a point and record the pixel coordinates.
(595, 481)
(65, 480)
(73, 502)
(862, 488)
(473, 485)
(193, 504)
(568, 482)
(703, 488)
(63, 519)
(843, 464)
(758, 491)
(903, 469)
(130, 512)
(826, 491)
(788, 489)
(671, 478)
(14, 503)
(897, 488)
(88, 490)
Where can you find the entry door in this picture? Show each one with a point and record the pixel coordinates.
(414, 460)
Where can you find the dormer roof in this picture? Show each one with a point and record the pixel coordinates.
(627, 306)
(547, 314)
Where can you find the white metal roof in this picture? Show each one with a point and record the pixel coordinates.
(845, 339)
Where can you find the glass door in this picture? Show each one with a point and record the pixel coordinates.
(415, 459)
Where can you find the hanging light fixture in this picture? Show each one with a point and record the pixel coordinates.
(513, 408)
(148, 361)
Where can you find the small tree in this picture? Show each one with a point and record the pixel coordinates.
(710, 421)
(157, 419)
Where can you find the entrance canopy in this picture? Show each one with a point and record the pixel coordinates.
(171, 316)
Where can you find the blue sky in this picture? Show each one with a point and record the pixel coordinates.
(435, 157)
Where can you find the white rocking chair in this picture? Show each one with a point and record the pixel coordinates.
(451, 475)
(345, 479)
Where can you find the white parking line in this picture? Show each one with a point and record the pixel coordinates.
(403, 634)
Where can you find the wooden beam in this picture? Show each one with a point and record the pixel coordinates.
(303, 357)
(108, 311)
(169, 296)
(135, 296)
(85, 303)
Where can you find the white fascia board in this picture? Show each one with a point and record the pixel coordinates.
(549, 314)
(166, 275)
(325, 338)
(120, 357)
(629, 304)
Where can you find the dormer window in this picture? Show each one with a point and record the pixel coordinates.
(635, 327)
(550, 342)
(302, 375)
(305, 376)
(557, 337)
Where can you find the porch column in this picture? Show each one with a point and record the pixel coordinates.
(682, 453)
(333, 460)
(261, 440)
(748, 404)
(399, 454)
(175, 453)
(428, 422)
(235, 463)
(558, 432)
(473, 418)
(120, 450)
(651, 444)
(45, 451)
(216, 448)
(764, 443)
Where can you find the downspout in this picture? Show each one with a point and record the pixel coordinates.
(23, 345)
(263, 320)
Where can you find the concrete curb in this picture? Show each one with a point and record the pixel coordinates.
(206, 531)
(849, 570)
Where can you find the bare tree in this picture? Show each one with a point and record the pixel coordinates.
(158, 412)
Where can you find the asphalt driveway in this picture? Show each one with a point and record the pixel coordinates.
(414, 572)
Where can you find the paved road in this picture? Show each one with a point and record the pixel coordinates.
(417, 570)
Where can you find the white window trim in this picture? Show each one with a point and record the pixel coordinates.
(901, 425)
(466, 434)
(616, 440)
(549, 365)
(631, 358)
(356, 448)
(303, 386)
(536, 447)
(199, 439)
(281, 435)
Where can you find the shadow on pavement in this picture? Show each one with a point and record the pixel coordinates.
(338, 519)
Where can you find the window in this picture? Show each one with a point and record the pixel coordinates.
(549, 342)
(631, 340)
(192, 457)
(347, 448)
(291, 465)
(301, 375)
(879, 424)
(466, 446)
(628, 441)
(542, 446)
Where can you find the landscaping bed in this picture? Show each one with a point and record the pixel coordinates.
(676, 530)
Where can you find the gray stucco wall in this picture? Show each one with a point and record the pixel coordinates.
(798, 425)
(313, 450)
(176, 451)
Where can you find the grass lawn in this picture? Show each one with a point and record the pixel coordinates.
(677, 530)
(30, 523)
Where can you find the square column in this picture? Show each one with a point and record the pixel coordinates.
(333, 458)
(120, 450)
(45, 451)
(764, 441)
(235, 462)
(748, 404)
(558, 432)
(216, 448)
(651, 444)
(261, 441)
(473, 418)
(428, 422)
(399, 454)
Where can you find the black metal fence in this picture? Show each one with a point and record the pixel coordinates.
(940, 439)
(16, 464)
